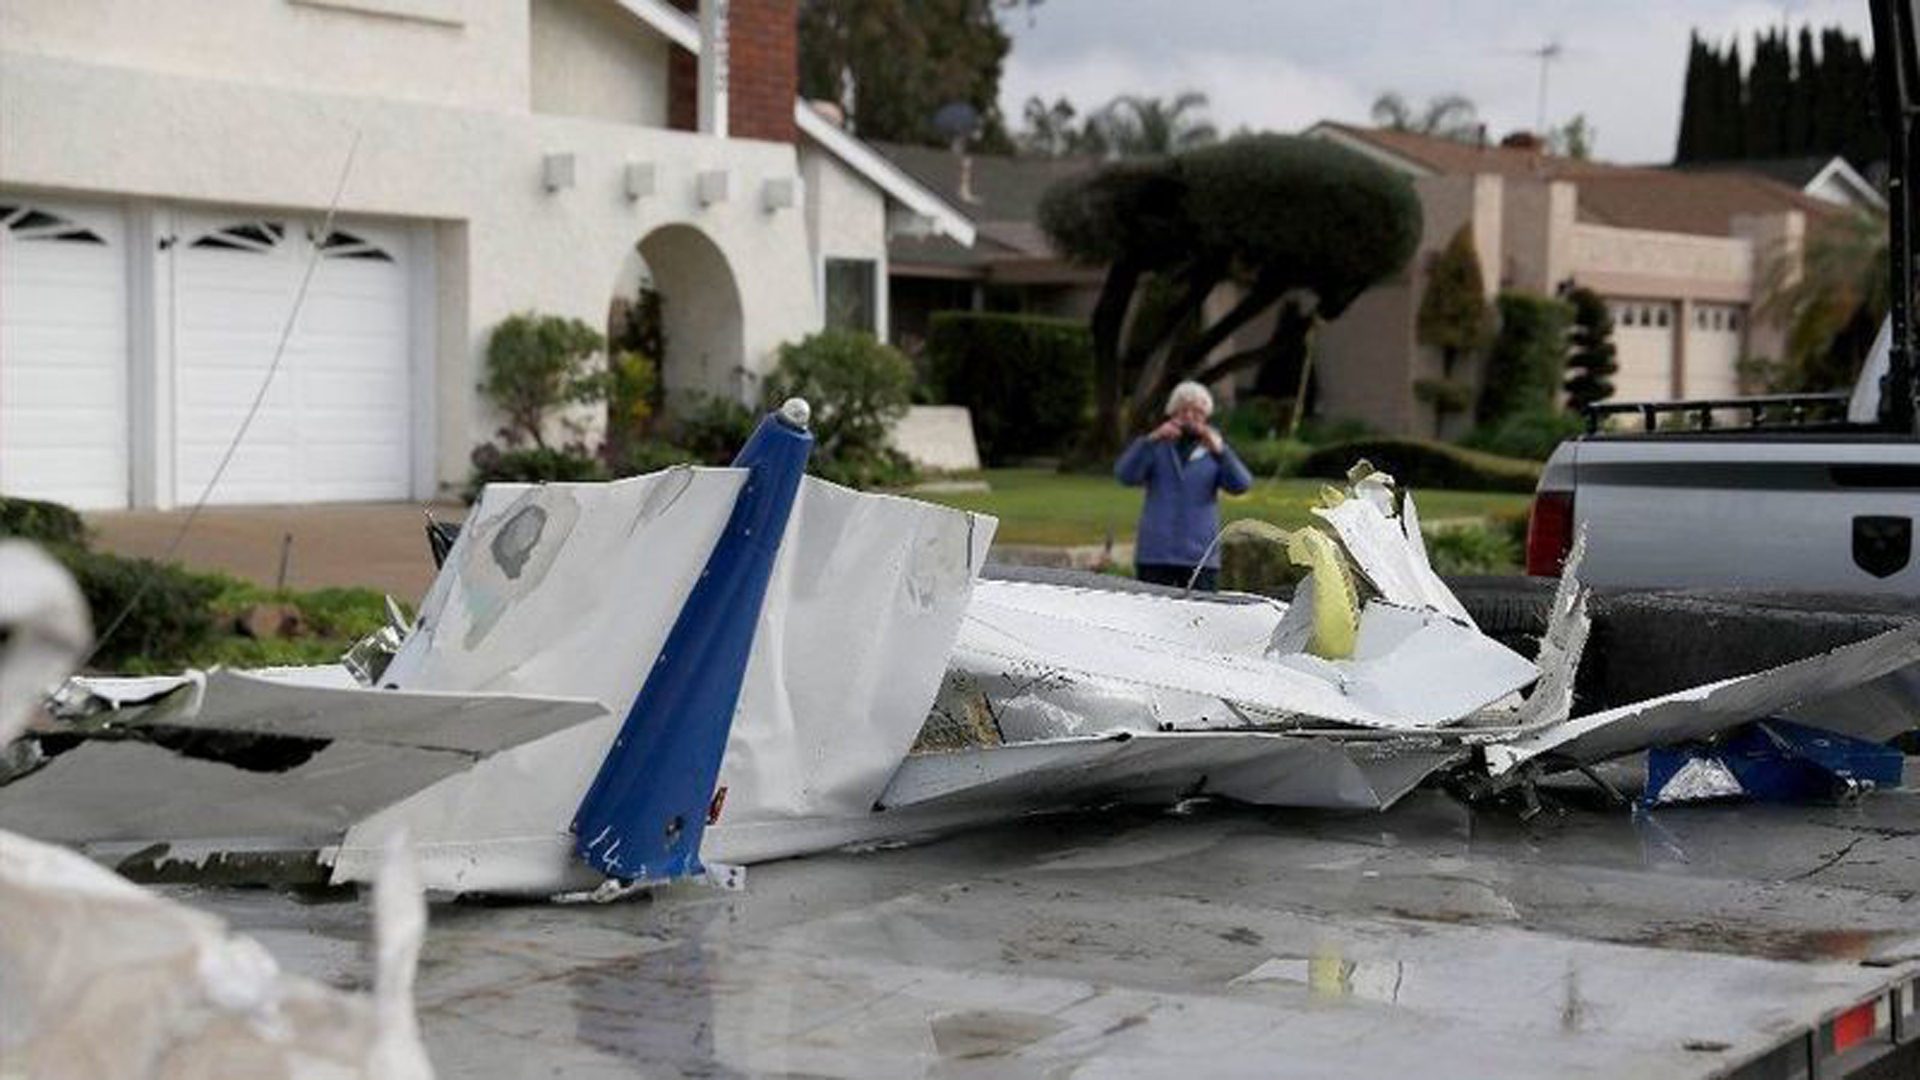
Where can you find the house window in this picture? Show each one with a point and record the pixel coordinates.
(1660, 315)
(1733, 319)
(27, 223)
(851, 289)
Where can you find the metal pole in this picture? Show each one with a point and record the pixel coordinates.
(1893, 61)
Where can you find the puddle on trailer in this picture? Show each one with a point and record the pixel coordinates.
(1459, 942)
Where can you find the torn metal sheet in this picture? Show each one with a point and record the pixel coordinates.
(1703, 710)
(864, 603)
(474, 724)
(1390, 550)
(1410, 669)
(1255, 767)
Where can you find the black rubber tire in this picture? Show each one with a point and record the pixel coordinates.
(1511, 610)
(1645, 643)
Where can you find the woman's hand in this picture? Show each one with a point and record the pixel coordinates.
(1211, 437)
(1167, 432)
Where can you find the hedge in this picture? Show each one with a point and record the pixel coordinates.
(1418, 463)
(41, 522)
(1528, 360)
(1027, 379)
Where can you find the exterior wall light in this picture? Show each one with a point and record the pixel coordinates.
(713, 186)
(640, 180)
(557, 171)
(780, 194)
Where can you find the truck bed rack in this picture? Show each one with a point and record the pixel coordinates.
(1763, 412)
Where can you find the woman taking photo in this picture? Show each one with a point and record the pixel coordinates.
(1184, 465)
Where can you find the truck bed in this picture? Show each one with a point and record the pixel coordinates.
(1432, 940)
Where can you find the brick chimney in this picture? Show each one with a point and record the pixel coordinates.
(763, 71)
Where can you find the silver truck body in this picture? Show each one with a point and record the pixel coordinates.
(1826, 511)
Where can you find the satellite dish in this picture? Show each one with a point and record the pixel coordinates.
(957, 121)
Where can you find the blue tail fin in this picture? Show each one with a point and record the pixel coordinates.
(644, 815)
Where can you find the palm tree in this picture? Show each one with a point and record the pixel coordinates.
(1830, 296)
(1446, 116)
(1154, 127)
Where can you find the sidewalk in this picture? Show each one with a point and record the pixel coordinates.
(379, 546)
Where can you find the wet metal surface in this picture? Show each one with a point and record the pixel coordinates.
(1217, 940)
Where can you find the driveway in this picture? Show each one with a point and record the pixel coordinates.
(375, 545)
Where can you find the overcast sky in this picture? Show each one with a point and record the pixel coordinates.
(1283, 64)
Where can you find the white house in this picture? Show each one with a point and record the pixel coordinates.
(167, 168)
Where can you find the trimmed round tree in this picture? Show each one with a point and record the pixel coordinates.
(1590, 363)
(1455, 318)
(1271, 215)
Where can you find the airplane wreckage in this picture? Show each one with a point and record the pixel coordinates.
(615, 685)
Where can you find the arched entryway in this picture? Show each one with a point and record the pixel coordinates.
(677, 285)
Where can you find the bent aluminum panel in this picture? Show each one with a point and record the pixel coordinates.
(1254, 767)
(1703, 710)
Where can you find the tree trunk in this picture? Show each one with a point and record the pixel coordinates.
(1104, 438)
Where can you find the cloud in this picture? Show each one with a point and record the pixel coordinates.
(1284, 66)
(1259, 93)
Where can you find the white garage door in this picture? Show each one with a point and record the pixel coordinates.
(336, 423)
(1643, 347)
(63, 352)
(1713, 351)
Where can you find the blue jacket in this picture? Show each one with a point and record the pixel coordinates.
(1181, 514)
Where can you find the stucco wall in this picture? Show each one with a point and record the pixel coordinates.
(472, 177)
(846, 219)
(1370, 358)
(591, 59)
(466, 52)
(1641, 262)
(1537, 227)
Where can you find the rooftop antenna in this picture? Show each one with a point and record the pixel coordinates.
(1546, 52)
(959, 123)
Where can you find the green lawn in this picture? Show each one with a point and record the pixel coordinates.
(1036, 506)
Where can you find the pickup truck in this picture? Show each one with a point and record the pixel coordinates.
(1802, 493)
(1807, 493)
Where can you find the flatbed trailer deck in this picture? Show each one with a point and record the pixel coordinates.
(1432, 940)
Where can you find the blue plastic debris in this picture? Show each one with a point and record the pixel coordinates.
(643, 818)
(1772, 761)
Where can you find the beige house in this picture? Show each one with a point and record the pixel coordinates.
(167, 168)
(1680, 256)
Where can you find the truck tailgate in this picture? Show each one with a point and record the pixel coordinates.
(1826, 515)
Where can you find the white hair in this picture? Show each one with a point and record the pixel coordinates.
(1190, 391)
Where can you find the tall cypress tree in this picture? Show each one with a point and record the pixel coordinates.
(1693, 103)
(1802, 136)
(1730, 123)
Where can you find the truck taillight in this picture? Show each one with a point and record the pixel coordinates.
(1549, 533)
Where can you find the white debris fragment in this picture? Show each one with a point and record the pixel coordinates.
(101, 978)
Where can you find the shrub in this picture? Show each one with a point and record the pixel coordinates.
(1028, 380)
(1417, 463)
(645, 456)
(172, 617)
(859, 388)
(633, 391)
(1474, 549)
(1528, 358)
(1325, 431)
(1531, 434)
(1254, 417)
(1269, 458)
(539, 363)
(713, 428)
(531, 465)
(888, 468)
(41, 522)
